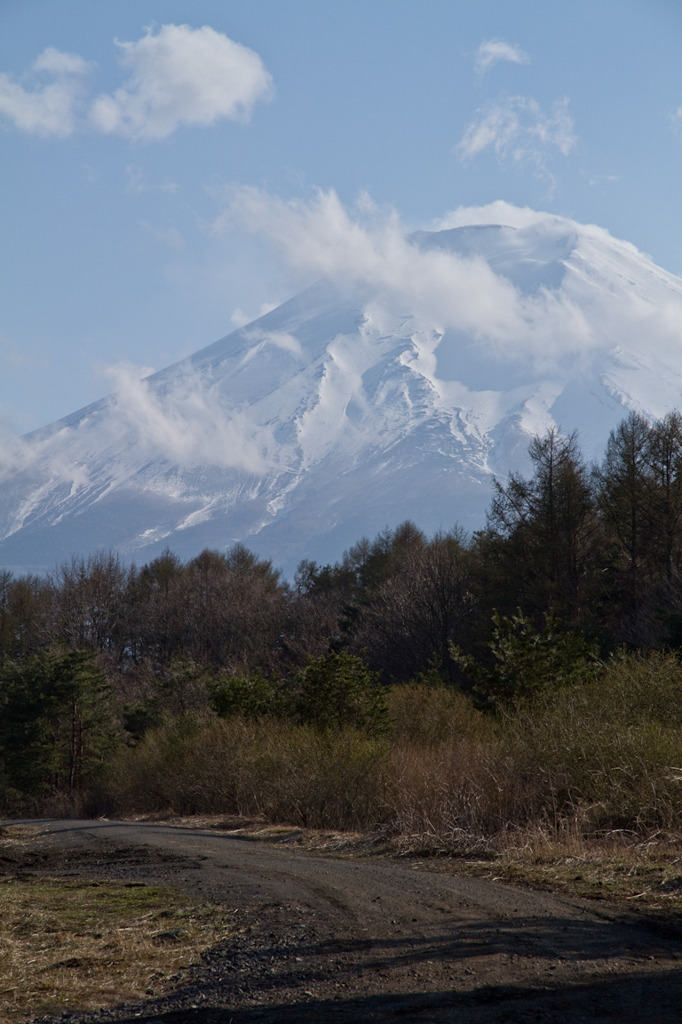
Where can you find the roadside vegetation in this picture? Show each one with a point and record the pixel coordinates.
(516, 690)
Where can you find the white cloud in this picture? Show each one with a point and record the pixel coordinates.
(495, 50)
(370, 256)
(186, 422)
(282, 340)
(48, 108)
(22, 457)
(373, 260)
(518, 130)
(137, 184)
(12, 453)
(497, 212)
(181, 76)
(240, 319)
(501, 212)
(59, 63)
(676, 119)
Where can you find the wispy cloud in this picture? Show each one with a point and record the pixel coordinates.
(676, 119)
(601, 179)
(181, 76)
(495, 50)
(37, 463)
(502, 212)
(46, 107)
(517, 129)
(171, 237)
(240, 319)
(177, 77)
(283, 340)
(370, 255)
(137, 184)
(12, 452)
(186, 421)
(497, 212)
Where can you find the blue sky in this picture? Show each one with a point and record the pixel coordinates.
(153, 153)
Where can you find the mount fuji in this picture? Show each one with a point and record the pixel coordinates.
(394, 390)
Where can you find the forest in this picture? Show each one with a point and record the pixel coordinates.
(448, 688)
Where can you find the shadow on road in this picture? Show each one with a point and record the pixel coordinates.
(652, 999)
(236, 980)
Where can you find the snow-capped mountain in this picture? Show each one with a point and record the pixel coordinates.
(387, 394)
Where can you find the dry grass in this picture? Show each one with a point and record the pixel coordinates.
(19, 835)
(76, 945)
(617, 867)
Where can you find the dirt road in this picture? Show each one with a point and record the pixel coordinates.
(326, 939)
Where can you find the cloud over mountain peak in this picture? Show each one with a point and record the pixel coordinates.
(419, 365)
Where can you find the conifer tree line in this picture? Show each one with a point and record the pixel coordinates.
(576, 562)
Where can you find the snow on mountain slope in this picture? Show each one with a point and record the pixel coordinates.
(358, 403)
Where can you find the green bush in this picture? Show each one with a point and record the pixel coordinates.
(526, 661)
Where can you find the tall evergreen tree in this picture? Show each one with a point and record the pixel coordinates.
(56, 722)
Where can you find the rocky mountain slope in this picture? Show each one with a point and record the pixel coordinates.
(354, 406)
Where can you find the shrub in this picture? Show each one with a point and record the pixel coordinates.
(608, 752)
(584, 760)
(286, 772)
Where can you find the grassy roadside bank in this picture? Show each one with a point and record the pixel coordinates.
(70, 944)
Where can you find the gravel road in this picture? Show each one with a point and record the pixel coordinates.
(331, 939)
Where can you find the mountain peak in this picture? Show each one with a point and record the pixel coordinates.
(395, 393)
